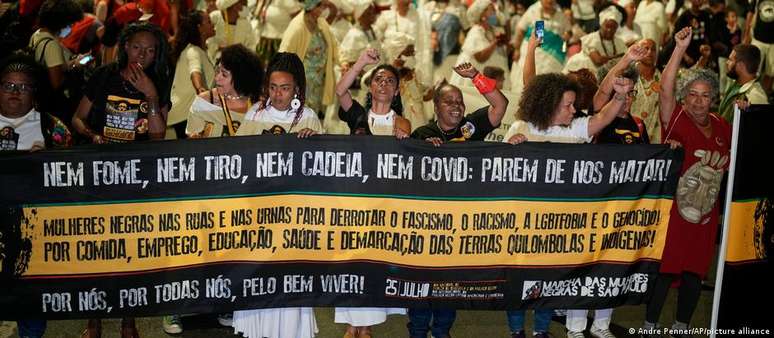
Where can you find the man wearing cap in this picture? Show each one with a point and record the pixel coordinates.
(309, 36)
(232, 26)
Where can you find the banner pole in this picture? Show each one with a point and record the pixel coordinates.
(726, 218)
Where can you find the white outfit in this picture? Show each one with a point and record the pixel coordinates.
(544, 62)
(276, 17)
(268, 120)
(415, 24)
(364, 316)
(225, 35)
(650, 21)
(339, 29)
(576, 132)
(577, 319)
(583, 10)
(590, 43)
(21, 133)
(193, 59)
(355, 42)
(477, 40)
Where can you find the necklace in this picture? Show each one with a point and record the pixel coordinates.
(234, 97)
(445, 133)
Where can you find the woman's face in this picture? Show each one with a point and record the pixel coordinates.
(450, 108)
(698, 100)
(384, 86)
(141, 49)
(564, 113)
(206, 29)
(282, 89)
(487, 12)
(15, 95)
(223, 79)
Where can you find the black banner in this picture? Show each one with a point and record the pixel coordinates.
(274, 221)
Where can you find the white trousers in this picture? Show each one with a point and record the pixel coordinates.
(577, 319)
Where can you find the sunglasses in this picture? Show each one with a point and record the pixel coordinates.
(10, 87)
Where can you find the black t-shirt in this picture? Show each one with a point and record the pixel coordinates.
(701, 25)
(764, 20)
(473, 127)
(356, 118)
(624, 131)
(119, 111)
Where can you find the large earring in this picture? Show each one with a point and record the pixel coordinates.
(295, 103)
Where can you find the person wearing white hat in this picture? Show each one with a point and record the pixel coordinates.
(338, 21)
(231, 27)
(360, 37)
(309, 36)
(403, 17)
(482, 47)
(400, 52)
(603, 45)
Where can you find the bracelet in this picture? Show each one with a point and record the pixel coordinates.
(619, 97)
(483, 84)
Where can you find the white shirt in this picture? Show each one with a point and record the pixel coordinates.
(576, 132)
(381, 124)
(21, 133)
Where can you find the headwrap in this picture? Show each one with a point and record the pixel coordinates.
(476, 9)
(311, 4)
(225, 4)
(394, 44)
(610, 13)
(360, 6)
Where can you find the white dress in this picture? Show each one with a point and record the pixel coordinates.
(379, 124)
(476, 41)
(416, 23)
(650, 21)
(295, 322)
(192, 59)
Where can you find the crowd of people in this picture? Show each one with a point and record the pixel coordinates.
(581, 71)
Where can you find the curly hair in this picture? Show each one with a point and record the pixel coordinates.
(588, 87)
(246, 70)
(687, 77)
(542, 96)
(397, 103)
(159, 70)
(189, 32)
(289, 63)
(58, 14)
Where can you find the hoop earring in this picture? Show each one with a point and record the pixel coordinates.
(295, 103)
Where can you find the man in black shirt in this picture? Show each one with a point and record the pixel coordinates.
(450, 124)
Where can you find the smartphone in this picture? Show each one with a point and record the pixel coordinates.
(86, 59)
(539, 30)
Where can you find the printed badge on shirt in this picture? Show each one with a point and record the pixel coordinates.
(9, 139)
(123, 121)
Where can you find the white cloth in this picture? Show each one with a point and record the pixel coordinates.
(193, 59)
(476, 9)
(340, 28)
(650, 20)
(416, 24)
(276, 323)
(477, 40)
(381, 124)
(610, 13)
(364, 316)
(354, 43)
(225, 4)
(576, 132)
(577, 319)
(359, 7)
(266, 120)
(21, 133)
(583, 10)
(240, 33)
(277, 16)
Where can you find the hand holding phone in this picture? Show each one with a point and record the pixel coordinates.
(86, 59)
(540, 31)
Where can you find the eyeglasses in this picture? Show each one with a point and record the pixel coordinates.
(10, 87)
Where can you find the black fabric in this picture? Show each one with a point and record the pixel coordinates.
(701, 29)
(356, 118)
(763, 30)
(107, 82)
(688, 297)
(473, 127)
(623, 131)
(658, 297)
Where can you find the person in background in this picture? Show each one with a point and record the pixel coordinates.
(56, 19)
(699, 21)
(232, 26)
(496, 73)
(483, 45)
(403, 17)
(693, 221)
(194, 72)
(220, 111)
(309, 36)
(758, 31)
(650, 21)
(399, 52)
(742, 68)
(726, 37)
(361, 36)
(273, 17)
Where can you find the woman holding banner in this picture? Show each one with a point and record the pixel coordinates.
(220, 110)
(284, 112)
(693, 221)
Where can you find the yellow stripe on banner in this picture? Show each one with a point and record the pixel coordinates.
(425, 233)
(745, 235)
